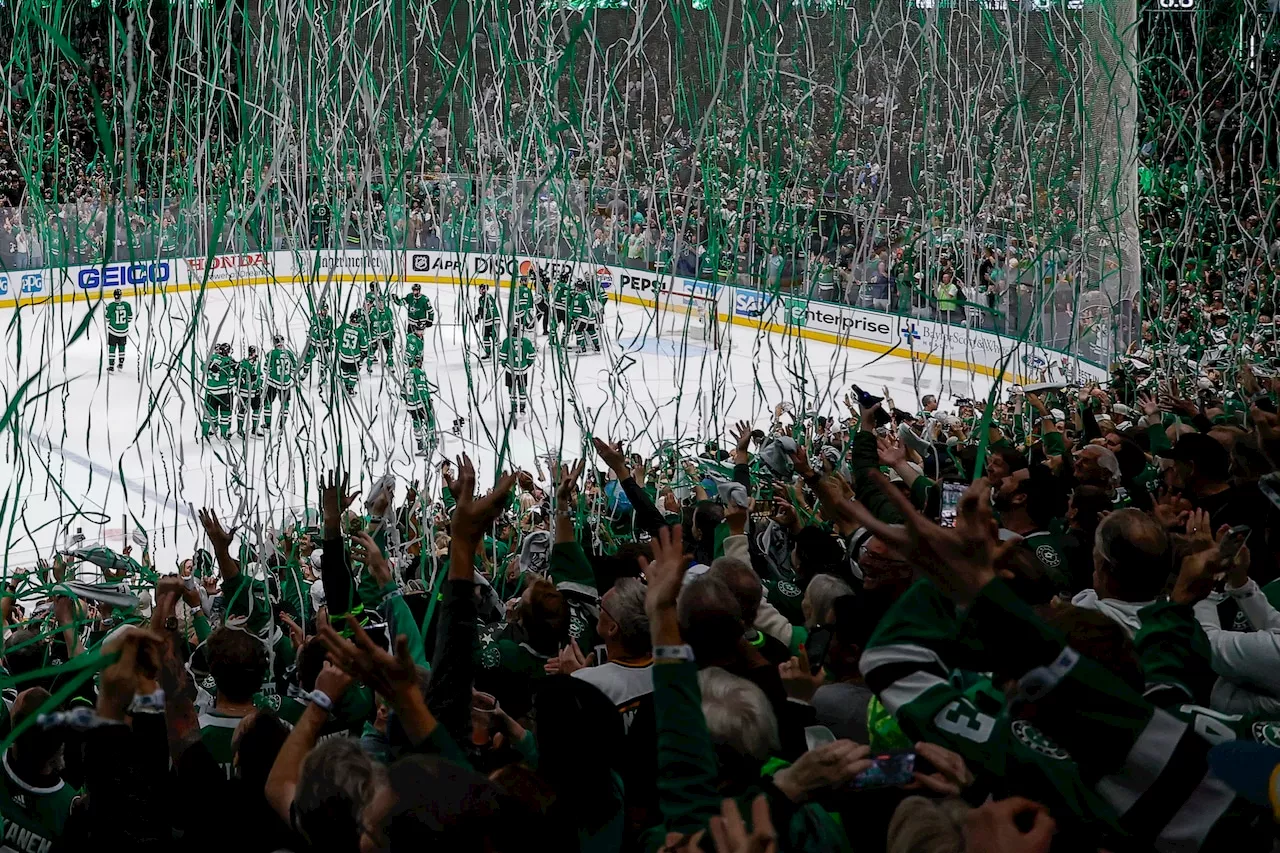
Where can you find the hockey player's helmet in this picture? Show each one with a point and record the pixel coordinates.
(277, 340)
(118, 293)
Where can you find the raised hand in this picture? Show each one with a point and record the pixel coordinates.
(665, 574)
(610, 454)
(219, 537)
(961, 559)
(334, 500)
(473, 516)
(891, 453)
(366, 551)
(797, 677)
(567, 488)
(742, 439)
(362, 659)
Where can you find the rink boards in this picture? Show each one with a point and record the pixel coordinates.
(330, 275)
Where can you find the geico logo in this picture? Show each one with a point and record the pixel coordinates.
(114, 275)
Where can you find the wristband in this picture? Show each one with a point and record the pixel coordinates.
(148, 702)
(684, 652)
(321, 700)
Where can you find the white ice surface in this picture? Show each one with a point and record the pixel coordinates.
(111, 453)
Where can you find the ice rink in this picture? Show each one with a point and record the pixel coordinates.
(111, 453)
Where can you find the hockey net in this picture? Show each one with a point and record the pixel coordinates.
(689, 316)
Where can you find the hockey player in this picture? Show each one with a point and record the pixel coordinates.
(561, 296)
(413, 349)
(353, 346)
(249, 387)
(282, 367)
(219, 374)
(524, 321)
(319, 339)
(516, 355)
(119, 316)
(422, 315)
(487, 318)
(382, 328)
(417, 399)
(584, 314)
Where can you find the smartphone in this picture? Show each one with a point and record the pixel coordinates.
(1232, 542)
(816, 736)
(952, 490)
(1269, 484)
(816, 647)
(888, 768)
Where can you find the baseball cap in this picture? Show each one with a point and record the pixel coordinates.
(1252, 769)
(1198, 447)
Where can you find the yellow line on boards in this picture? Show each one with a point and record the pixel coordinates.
(91, 295)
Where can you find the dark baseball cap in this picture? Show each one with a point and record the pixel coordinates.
(1204, 450)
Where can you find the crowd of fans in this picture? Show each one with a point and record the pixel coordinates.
(1026, 627)
(1051, 622)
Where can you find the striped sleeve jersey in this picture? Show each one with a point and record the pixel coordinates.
(1114, 769)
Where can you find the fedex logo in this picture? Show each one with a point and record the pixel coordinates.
(115, 275)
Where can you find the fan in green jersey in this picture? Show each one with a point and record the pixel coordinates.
(584, 315)
(353, 345)
(516, 355)
(487, 318)
(319, 340)
(417, 399)
(249, 389)
(282, 365)
(35, 802)
(219, 375)
(119, 316)
(422, 315)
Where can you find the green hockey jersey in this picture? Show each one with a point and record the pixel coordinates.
(249, 377)
(282, 364)
(119, 316)
(487, 311)
(516, 354)
(419, 307)
(321, 330)
(31, 819)
(382, 323)
(417, 390)
(524, 309)
(413, 347)
(220, 373)
(353, 342)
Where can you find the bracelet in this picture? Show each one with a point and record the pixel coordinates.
(321, 700)
(148, 702)
(684, 652)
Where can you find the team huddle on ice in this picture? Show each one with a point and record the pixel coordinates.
(575, 311)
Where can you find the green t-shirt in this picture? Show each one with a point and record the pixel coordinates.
(216, 733)
(31, 818)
